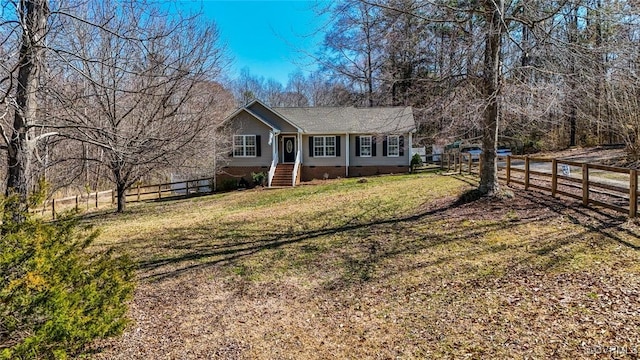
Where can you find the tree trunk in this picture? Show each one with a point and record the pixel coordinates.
(491, 86)
(33, 16)
(573, 114)
(122, 201)
(573, 107)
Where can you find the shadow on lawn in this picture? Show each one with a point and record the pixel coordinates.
(228, 249)
(189, 249)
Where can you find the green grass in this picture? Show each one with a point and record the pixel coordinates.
(394, 267)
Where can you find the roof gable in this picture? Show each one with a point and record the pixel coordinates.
(265, 111)
(266, 115)
(245, 110)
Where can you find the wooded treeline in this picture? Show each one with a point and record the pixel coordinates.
(109, 93)
(102, 94)
(568, 70)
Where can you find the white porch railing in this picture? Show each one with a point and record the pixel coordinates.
(296, 166)
(272, 170)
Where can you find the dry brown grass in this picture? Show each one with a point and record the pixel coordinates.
(392, 268)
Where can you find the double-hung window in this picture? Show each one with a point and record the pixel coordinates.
(393, 145)
(244, 146)
(324, 146)
(365, 146)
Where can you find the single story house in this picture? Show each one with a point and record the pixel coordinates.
(301, 144)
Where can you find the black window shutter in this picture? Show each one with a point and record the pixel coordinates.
(258, 147)
(310, 146)
(384, 147)
(401, 143)
(357, 145)
(373, 145)
(337, 145)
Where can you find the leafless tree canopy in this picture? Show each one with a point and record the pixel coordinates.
(128, 88)
(122, 90)
(552, 73)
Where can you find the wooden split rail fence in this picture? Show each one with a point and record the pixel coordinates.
(593, 184)
(134, 194)
(611, 187)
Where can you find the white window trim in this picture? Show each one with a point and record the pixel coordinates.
(370, 146)
(244, 146)
(397, 154)
(324, 146)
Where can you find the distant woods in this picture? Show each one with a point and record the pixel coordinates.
(107, 94)
(566, 72)
(103, 94)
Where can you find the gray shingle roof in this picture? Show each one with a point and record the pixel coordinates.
(331, 120)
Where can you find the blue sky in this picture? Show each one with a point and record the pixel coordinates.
(268, 37)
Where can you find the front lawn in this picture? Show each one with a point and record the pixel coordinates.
(395, 267)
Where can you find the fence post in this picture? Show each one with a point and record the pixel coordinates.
(508, 169)
(53, 208)
(160, 191)
(554, 177)
(526, 172)
(585, 184)
(633, 193)
(470, 163)
(96, 198)
(187, 187)
(76, 202)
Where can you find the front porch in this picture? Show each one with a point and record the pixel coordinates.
(287, 158)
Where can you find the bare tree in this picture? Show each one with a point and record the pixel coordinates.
(248, 87)
(491, 86)
(352, 46)
(121, 77)
(135, 87)
(21, 98)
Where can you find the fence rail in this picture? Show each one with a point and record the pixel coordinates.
(171, 189)
(593, 184)
(134, 194)
(610, 187)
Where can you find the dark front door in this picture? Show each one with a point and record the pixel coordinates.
(289, 149)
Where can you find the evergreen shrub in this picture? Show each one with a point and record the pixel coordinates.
(56, 296)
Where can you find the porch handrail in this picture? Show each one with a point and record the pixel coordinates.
(296, 166)
(272, 171)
